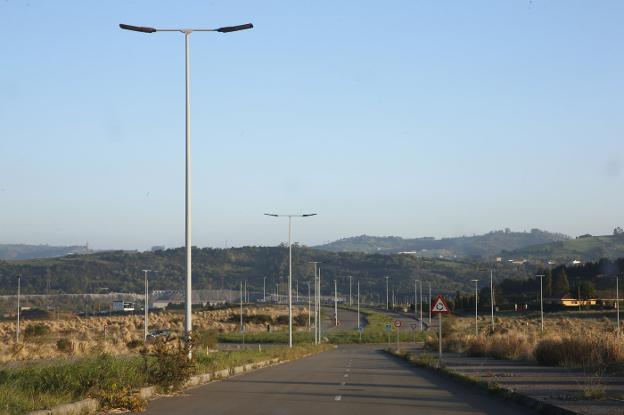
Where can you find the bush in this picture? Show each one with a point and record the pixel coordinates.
(589, 352)
(134, 343)
(36, 330)
(65, 345)
(300, 320)
(168, 365)
(252, 319)
(205, 339)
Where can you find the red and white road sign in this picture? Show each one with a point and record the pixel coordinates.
(440, 306)
(397, 323)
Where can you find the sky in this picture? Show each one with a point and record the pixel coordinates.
(408, 118)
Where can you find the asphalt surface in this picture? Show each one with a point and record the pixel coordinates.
(352, 379)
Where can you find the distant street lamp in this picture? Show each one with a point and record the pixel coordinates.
(317, 300)
(387, 295)
(146, 304)
(264, 289)
(541, 277)
(19, 286)
(309, 308)
(350, 279)
(290, 266)
(336, 302)
(429, 302)
(358, 308)
(617, 303)
(492, 296)
(476, 308)
(188, 325)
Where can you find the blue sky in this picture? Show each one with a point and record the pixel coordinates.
(409, 118)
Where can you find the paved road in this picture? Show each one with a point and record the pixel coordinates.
(349, 380)
(346, 318)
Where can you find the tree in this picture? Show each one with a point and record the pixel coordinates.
(618, 230)
(588, 290)
(561, 286)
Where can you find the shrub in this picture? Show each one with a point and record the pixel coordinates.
(590, 351)
(36, 330)
(167, 364)
(205, 339)
(134, 343)
(65, 345)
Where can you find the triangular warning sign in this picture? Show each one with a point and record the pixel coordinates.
(440, 306)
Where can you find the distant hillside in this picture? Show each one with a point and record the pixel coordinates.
(21, 251)
(478, 246)
(587, 248)
(226, 268)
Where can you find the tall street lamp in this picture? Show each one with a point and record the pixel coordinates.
(617, 303)
(387, 295)
(317, 300)
(350, 280)
(17, 330)
(541, 277)
(492, 296)
(476, 308)
(336, 303)
(188, 325)
(305, 215)
(145, 304)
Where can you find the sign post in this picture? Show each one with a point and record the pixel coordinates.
(414, 326)
(440, 307)
(388, 330)
(397, 324)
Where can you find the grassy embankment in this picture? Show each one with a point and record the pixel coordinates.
(112, 381)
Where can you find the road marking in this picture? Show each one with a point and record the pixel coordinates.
(346, 376)
(338, 397)
(343, 383)
(348, 370)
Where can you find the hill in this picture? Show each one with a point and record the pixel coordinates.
(479, 246)
(226, 268)
(22, 251)
(585, 248)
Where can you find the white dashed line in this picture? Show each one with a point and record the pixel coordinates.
(346, 376)
(343, 383)
(338, 397)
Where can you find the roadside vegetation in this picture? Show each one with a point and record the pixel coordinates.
(114, 381)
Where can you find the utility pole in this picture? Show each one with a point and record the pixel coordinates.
(429, 302)
(241, 306)
(476, 309)
(19, 286)
(350, 278)
(336, 303)
(320, 319)
(309, 308)
(146, 304)
(387, 295)
(492, 296)
(358, 307)
(264, 289)
(420, 291)
(541, 277)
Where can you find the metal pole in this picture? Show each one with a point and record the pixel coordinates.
(188, 324)
(297, 298)
(617, 302)
(241, 306)
(245, 292)
(264, 289)
(17, 331)
(476, 309)
(429, 302)
(289, 284)
(350, 278)
(387, 295)
(309, 308)
(492, 296)
(541, 277)
(277, 292)
(336, 303)
(440, 338)
(146, 305)
(358, 305)
(420, 290)
(415, 299)
(319, 310)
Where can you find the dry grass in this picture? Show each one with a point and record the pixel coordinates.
(84, 336)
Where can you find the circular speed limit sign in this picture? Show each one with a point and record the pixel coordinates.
(397, 323)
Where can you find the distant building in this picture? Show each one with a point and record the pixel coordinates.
(569, 301)
(158, 248)
(122, 306)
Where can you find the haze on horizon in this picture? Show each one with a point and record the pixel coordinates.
(410, 119)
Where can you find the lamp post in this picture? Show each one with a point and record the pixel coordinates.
(476, 308)
(617, 303)
(317, 300)
(146, 304)
(350, 278)
(309, 308)
(387, 295)
(492, 296)
(17, 330)
(429, 302)
(358, 307)
(188, 325)
(264, 289)
(416, 299)
(541, 277)
(420, 291)
(336, 303)
(290, 266)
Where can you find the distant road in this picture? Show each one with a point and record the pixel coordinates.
(351, 380)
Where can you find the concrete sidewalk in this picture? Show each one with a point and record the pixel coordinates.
(564, 388)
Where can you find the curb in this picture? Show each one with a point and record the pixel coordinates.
(492, 388)
(85, 406)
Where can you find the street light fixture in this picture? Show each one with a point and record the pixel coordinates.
(275, 215)
(188, 325)
(19, 286)
(541, 277)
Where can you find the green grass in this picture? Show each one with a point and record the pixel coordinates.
(110, 379)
